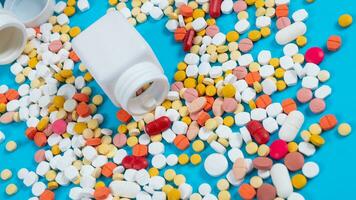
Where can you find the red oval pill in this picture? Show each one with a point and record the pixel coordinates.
(158, 126)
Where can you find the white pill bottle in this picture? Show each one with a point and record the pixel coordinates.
(15, 16)
(122, 63)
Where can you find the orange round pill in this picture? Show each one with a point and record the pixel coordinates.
(334, 43)
(40, 139)
(202, 118)
(93, 142)
(263, 101)
(181, 142)
(101, 193)
(81, 97)
(139, 150)
(247, 192)
(186, 11)
(289, 105)
(328, 122)
(209, 103)
(107, 169)
(12, 95)
(83, 109)
(282, 11)
(179, 34)
(47, 195)
(252, 77)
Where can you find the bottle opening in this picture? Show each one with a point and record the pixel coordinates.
(143, 88)
(12, 42)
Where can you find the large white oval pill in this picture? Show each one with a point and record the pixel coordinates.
(281, 180)
(290, 33)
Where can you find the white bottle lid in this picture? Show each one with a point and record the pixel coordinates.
(13, 18)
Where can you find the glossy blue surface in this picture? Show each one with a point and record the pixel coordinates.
(336, 158)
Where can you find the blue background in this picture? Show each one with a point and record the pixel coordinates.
(336, 158)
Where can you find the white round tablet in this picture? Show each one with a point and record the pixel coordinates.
(215, 164)
(310, 169)
(172, 159)
(204, 189)
(295, 196)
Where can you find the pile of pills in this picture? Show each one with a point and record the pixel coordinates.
(220, 101)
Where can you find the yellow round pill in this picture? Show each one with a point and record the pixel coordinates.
(198, 145)
(210, 90)
(254, 35)
(195, 159)
(229, 121)
(224, 195)
(344, 129)
(345, 20)
(265, 31)
(263, 150)
(153, 172)
(299, 181)
(301, 41)
(169, 174)
(6, 174)
(173, 194)
(228, 91)
(11, 189)
(179, 179)
(223, 184)
(256, 182)
(232, 36)
(183, 159)
(292, 147)
(315, 129)
(11, 146)
(251, 148)
(179, 76)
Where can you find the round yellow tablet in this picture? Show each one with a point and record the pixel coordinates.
(169, 174)
(11, 189)
(179, 179)
(263, 150)
(344, 129)
(11, 146)
(299, 181)
(256, 181)
(183, 159)
(223, 184)
(251, 148)
(6, 174)
(195, 159)
(198, 145)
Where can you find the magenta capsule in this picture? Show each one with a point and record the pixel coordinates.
(215, 8)
(188, 40)
(258, 132)
(158, 126)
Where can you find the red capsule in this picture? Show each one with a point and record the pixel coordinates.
(158, 126)
(215, 8)
(135, 162)
(258, 132)
(188, 40)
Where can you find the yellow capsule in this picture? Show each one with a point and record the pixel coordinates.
(317, 140)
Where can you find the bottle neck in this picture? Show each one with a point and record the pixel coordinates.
(133, 79)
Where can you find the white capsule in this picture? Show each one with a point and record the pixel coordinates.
(290, 33)
(281, 180)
